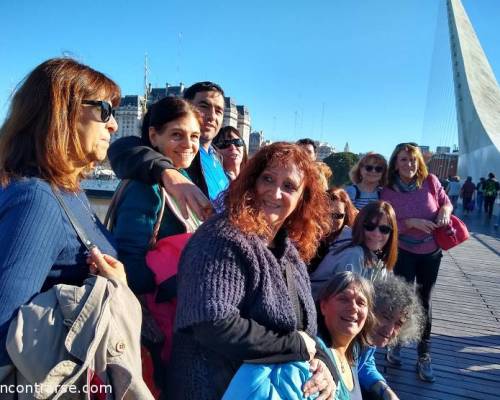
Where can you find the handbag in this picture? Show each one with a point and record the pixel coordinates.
(452, 234)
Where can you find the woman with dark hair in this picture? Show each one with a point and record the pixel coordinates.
(343, 216)
(421, 205)
(372, 251)
(59, 124)
(346, 307)
(231, 146)
(243, 289)
(171, 127)
(368, 177)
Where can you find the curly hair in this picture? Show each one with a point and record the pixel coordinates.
(337, 285)
(307, 224)
(413, 150)
(379, 159)
(395, 296)
(375, 211)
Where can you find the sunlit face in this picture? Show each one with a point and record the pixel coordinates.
(371, 171)
(211, 106)
(338, 213)
(278, 192)
(345, 313)
(232, 155)
(406, 165)
(94, 134)
(388, 327)
(309, 149)
(179, 140)
(375, 239)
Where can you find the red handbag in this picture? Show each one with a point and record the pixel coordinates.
(454, 233)
(451, 235)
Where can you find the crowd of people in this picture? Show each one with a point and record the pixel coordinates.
(254, 278)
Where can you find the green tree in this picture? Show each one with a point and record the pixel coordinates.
(340, 164)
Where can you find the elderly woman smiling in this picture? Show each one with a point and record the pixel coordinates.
(243, 288)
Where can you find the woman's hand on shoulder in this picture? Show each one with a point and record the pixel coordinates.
(321, 382)
(423, 225)
(106, 266)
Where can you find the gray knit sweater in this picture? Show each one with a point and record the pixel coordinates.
(223, 273)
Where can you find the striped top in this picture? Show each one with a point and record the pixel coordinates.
(364, 197)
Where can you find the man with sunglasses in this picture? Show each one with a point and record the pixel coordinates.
(131, 159)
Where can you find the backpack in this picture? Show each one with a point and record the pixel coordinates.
(490, 188)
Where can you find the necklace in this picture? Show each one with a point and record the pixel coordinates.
(342, 366)
(86, 207)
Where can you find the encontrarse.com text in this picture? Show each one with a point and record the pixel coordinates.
(40, 388)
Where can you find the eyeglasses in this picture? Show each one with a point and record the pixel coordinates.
(338, 216)
(407, 144)
(383, 229)
(107, 109)
(370, 168)
(228, 142)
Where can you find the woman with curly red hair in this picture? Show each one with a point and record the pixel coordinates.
(243, 288)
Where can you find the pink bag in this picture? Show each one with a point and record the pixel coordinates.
(449, 236)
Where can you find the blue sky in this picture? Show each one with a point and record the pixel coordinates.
(333, 70)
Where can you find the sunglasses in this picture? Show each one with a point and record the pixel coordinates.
(383, 229)
(407, 144)
(338, 216)
(107, 109)
(228, 142)
(370, 168)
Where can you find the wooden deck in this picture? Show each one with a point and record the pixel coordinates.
(466, 325)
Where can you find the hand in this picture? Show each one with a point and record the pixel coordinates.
(186, 193)
(387, 393)
(443, 218)
(390, 395)
(106, 266)
(310, 344)
(423, 225)
(321, 382)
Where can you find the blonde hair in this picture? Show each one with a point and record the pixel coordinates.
(414, 151)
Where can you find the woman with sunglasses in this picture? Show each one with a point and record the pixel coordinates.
(232, 148)
(343, 216)
(421, 206)
(368, 176)
(372, 251)
(59, 124)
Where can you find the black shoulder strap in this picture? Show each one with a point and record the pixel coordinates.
(358, 193)
(76, 225)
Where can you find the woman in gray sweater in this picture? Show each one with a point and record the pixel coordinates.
(243, 289)
(372, 252)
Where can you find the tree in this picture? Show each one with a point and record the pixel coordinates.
(340, 164)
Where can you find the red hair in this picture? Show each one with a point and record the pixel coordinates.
(307, 224)
(338, 194)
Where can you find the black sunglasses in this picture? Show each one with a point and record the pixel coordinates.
(383, 229)
(107, 109)
(228, 142)
(370, 168)
(338, 216)
(407, 144)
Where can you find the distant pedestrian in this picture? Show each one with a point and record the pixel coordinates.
(467, 194)
(453, 191)
(490, 191)
(479, 194)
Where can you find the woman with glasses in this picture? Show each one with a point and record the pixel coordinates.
(343, 216)
(59, 124)
(231, 146)
(421, 205)
(372, 251)
(368, 176)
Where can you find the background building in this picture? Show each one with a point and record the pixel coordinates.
(443, 149)
(324, 150)
(443, 164)
(255, 142)
(129, 117)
